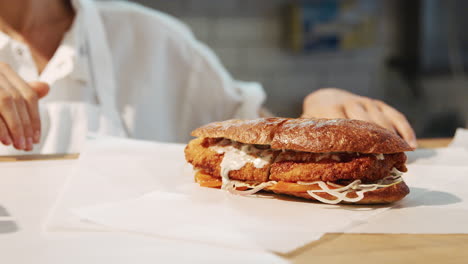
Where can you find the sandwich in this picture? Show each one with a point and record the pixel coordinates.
(327, 160)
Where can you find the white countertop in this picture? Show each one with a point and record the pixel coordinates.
(28, 190)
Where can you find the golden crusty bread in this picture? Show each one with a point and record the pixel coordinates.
(337, 135)
(309, 135)
(257, 131)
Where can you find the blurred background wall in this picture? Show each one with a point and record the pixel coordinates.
(415, 61)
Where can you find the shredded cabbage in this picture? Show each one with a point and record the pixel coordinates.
(380, 156)
(341, 192)
(232, 185)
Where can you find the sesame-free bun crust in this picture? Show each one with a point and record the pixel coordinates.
(337, 135)
(309, 135)
(257, 131)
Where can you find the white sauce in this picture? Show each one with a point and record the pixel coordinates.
(321, 156)
(380, 156)
(252, 188)
(236, 158)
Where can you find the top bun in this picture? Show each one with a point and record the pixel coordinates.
(309, 135)
(258, 131)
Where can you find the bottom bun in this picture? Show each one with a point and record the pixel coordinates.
(384, 195)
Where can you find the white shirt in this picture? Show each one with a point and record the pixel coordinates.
(126, 70)
(67, 71)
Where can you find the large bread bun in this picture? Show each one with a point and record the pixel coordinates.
(309, 135)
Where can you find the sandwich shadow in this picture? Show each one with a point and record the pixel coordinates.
(417, 197)
(349, 207)
(3, 212)
(7, 225)
(420, 154)
(426, 197)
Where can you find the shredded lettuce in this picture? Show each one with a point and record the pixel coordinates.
(341, 192)
(233, 185)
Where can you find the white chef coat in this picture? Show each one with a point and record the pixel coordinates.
(126, 70)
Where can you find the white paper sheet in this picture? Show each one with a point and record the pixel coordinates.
(453, 156)
(438, 204)
(114, 169)
(148, 188)
(212, 216)
(460, 139)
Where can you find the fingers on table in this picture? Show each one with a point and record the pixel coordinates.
(401, 124)
(4, 133)
(10, 113)
(29, 105)
(356, 109)
(377, 116)
(29, 113)
(337, 111)
(382, 114)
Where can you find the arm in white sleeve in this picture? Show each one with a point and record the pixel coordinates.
(236, 99)
(253, 97)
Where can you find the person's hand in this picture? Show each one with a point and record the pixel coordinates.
(20, 122)
(336, 103)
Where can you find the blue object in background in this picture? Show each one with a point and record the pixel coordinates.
(314, 15)
(332, 25)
